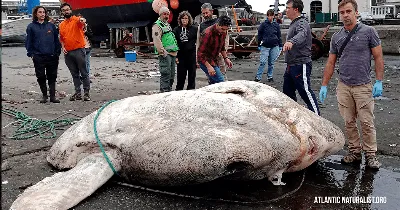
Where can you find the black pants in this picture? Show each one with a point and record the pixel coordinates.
(186, 66)
(76, 62)
(297, 77)
(45, 68)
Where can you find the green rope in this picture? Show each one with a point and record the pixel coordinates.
(97, 137)
(30, 127)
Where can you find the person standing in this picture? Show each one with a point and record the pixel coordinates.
(88, 45)
(167, 47)
(43, 46)
(354, 90)
(270, 41)
(73, 45)
(212, 44)
(298, 57)
(208, 20)
(186, 59)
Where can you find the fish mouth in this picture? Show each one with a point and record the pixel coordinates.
(237, 169)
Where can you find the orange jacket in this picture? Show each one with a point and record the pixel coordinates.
(71, 33)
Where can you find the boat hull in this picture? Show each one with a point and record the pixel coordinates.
(14, 31)
(99, 17)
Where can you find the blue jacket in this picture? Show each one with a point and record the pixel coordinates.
(270, 34)
(42, 39)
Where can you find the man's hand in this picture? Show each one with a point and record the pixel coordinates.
(176, 60)
(211, 71)
(322, 94)
(228, 63)
(82, 20)
(288, 46)
(377, 90)
(64, 51)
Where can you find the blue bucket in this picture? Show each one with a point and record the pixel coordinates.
(130, 56)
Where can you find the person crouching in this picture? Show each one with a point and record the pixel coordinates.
(212, 43)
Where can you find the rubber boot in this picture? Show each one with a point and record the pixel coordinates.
(43, 88)
(52, 91)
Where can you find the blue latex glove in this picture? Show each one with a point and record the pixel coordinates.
(377, 90)
(259, 48)
(322, 94)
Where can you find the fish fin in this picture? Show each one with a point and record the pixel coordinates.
(64, 190)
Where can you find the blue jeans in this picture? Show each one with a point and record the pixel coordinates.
(218, 77)
(87, 51)
(270, 54)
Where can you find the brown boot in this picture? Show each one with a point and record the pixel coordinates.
(372, 162)
(352, 158)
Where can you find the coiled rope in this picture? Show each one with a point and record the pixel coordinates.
(29, 127)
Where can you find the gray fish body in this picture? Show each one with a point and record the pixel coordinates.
(238, 129)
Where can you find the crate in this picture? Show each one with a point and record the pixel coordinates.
(130, 56)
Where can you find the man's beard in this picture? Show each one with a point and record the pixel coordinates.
(67, 15)
(208, 17)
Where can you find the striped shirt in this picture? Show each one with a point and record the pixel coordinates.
(212, 43)
(355, 62)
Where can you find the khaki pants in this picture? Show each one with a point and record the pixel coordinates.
(356, 102)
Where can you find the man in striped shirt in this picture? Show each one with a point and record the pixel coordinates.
(212, 43)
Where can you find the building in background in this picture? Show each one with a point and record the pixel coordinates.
(311, 7)
(386, 9)
(14, 8)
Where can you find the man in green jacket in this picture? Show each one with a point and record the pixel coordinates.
(167, 48)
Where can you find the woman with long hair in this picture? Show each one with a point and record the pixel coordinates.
(43, 46)
(186, 35)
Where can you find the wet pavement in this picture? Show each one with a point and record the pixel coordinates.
(24, 162)
(327, 185)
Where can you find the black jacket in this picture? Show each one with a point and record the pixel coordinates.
(42, 39)
(186, 39)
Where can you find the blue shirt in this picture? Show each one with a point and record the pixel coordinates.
(42, 39)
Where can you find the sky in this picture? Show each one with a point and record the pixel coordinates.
(263, 5)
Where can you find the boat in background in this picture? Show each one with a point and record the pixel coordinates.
(135, 13)
(14, 31)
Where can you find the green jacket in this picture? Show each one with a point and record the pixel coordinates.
(168, 37)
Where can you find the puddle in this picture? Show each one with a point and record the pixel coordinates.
(325, 181)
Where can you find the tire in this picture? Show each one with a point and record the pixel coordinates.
(120, 52)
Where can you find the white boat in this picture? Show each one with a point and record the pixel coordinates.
(14, 31)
